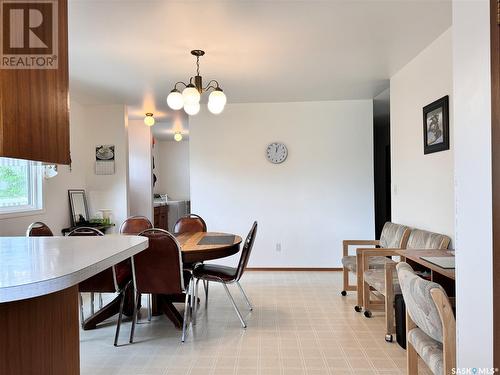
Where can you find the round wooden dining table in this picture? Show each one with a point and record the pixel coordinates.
(202, 246)
(195, 247)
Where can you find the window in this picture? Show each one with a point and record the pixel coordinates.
(20, 186)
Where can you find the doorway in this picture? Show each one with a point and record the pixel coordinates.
(382, 160)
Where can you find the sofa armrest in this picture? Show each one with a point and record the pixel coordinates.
(347, 243)
(367, 253)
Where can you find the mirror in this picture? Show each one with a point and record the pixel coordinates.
(78, 207)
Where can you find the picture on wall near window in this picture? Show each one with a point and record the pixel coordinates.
(436, 126)
(105, 159)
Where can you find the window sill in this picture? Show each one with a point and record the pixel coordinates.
(21, 213)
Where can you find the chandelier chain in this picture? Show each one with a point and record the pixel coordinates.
(197, 65)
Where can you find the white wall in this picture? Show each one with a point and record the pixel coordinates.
(107, 125)
(172, 169)
(473, 238)
(422, 185)
(140, 166)
(89, 126)
(322, 194)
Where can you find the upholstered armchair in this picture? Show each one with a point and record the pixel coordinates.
(393, 237)
(385, 281)
(430, 323)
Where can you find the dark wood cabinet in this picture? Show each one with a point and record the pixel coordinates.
(34, 104)
(161, 217)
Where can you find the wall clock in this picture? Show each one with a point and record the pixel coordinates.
(276, 153)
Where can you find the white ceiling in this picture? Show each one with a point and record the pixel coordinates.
(132, 51)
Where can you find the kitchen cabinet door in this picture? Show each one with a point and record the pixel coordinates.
(34, 103)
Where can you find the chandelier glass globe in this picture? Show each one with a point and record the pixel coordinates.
(190, 95)
(192, 108)
(175, 100)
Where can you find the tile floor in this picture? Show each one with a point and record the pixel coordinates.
(300, 325)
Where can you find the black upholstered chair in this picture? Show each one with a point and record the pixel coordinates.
(228, 275)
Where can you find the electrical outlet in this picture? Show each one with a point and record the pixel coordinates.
(278, 247)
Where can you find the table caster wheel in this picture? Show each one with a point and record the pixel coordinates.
(388, 338)
(368, 313)
(344, 293)
(358, 308)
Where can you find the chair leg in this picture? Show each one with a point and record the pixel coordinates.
(205, 285)
(412, 360)
(366, 298)
(186, 308)
(134, 316)
(244, 295)
(120, 315)
(389, 303)
(195, 302)
(82, 317)
(360, 270)
(411, 353)
(149, 307)
(234, 305)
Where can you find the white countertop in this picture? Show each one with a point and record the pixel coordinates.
(36, 266)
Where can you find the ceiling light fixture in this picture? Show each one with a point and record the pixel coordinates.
(178, 136)
(191, 95)
(149, 120)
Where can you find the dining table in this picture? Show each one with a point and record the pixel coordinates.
(196, 247)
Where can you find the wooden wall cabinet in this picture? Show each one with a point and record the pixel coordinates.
(34, 106)
(161, 217)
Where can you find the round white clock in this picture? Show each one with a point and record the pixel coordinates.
(276, 153)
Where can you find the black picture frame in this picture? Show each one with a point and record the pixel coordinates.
(72, 193)
(436, 126)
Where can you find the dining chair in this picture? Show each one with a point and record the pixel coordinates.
(383, 283)
(158, 270)
(430, 323)
(227, 275)
(111, 280)
(38, 229)
(133, 226)
(189, 224)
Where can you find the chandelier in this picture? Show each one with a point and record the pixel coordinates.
(191, 95)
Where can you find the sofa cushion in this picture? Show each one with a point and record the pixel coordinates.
(422, 239)
(392, 235)
(349, 262)
(376, 279)
(430, 350)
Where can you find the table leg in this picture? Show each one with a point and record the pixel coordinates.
(165, 304)
(112, 308)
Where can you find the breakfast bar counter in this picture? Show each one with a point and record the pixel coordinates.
(39, 279)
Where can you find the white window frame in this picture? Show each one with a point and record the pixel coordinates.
(35, 193)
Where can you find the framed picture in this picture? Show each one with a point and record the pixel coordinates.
(436, 126)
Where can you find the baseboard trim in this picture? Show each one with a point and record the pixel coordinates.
(322, 269)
